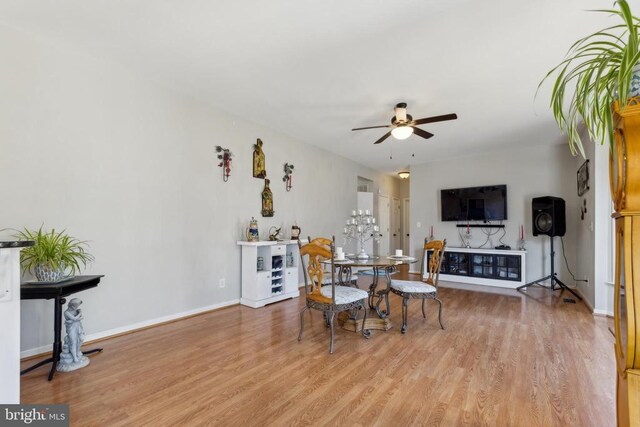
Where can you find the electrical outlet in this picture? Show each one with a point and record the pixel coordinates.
(418, 224)
(222, 283)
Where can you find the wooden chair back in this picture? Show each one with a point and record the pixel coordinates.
(432, 267)
(317, 251)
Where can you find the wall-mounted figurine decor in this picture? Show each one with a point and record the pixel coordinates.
(267, 200)
(224, 155)
(288, 175)
(259, 170)
(583, 178)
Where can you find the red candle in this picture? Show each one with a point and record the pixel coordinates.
(467, 227)
(521, 232)
(431, 232)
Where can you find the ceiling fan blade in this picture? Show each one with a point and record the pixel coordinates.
(422, 133)
(436, 119)
(385, 136)
(373, 127)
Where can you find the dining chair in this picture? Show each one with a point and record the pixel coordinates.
(419, 289)
(332, 298)
(345, 279)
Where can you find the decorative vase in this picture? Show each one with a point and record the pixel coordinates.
(46, 273)
(634, 87)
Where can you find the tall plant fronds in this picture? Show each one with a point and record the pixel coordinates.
(596, 71)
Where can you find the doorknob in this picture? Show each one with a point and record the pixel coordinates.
(407, 234)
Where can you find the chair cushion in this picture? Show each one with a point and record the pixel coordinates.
(345, 294)
(412, 286)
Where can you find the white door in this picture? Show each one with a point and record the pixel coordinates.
(396, 231)
(406, 223)
(384, 222)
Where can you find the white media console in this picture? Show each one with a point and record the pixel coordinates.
(489, 267)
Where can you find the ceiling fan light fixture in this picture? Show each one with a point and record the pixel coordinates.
(403, 174)
(402, 132)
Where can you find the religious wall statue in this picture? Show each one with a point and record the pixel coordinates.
(267, 200)
(259, 170)
(71, 357)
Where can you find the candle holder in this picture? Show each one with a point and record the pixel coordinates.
(224, 155)
(288, 176)
(466, 238)
(361, 227)
(522, 245)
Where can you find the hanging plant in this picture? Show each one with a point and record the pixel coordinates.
(288, 175)
(224, 155)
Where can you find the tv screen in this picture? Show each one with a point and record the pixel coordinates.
(487, 203)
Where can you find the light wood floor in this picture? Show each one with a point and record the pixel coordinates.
(504, 360)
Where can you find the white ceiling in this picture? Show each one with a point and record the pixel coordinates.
(316, 69)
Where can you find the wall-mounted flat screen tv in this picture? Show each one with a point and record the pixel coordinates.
(487, 203)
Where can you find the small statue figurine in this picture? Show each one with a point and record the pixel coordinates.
(274, 233)
(71, 357)
(259, 170)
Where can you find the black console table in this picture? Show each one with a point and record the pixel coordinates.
(57, 291)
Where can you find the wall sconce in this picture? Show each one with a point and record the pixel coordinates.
(224, 155)
(288, 176)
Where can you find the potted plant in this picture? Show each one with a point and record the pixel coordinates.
(597, 71)
(54, 256)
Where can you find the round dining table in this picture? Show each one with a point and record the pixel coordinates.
(381, 265)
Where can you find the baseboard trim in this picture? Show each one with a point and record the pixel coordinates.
(594, 311)
(112, 333)
(605, 313)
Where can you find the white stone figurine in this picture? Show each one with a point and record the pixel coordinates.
(71, 357)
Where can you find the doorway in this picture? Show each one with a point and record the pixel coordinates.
(384, 222)
(406, 225)
(365, 202)
(396, 230)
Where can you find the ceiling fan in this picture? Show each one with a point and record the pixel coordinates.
(402, 124)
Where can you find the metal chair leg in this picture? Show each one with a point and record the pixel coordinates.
(424, 315)
(440, 312)
(302, 323)
(405, 309)
(331, 315)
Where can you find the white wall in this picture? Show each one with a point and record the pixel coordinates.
(593, 233)
(528, 172)
(90, 147)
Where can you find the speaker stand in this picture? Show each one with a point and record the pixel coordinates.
(553, 277)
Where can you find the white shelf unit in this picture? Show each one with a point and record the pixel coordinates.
(278, 280)
(487, 267)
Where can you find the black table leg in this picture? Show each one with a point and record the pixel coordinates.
(57, 340)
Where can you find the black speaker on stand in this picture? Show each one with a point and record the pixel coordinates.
(548, 218)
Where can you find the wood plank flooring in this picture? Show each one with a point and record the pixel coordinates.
(504, 359)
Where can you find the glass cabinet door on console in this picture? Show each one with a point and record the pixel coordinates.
(508, 267)
(455, 263)
(482, 265)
